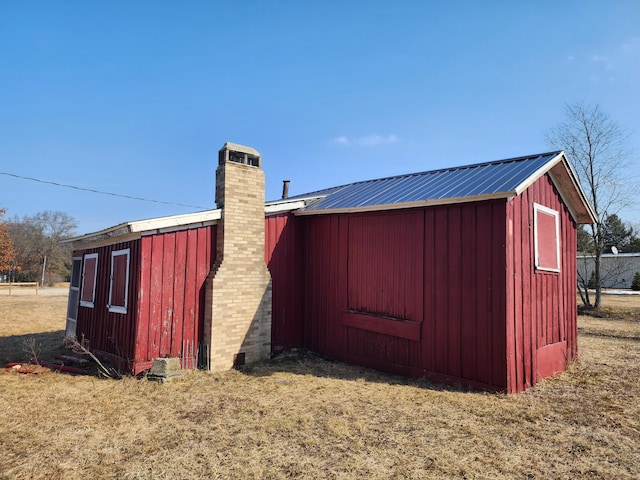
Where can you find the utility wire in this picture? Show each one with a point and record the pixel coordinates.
(98, 191)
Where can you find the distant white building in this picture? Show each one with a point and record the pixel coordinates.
(616, 271)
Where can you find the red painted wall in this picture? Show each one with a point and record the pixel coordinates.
(103, 330)
(541, 308)
(417, 292)
(166, 300)
(283, 256)
(166, 297)
(173, 270)
(447, 292)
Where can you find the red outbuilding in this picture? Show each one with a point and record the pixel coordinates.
(464, 275)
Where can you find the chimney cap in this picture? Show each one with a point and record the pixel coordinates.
(240, 148)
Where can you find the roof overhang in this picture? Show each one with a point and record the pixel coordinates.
(132, 230)
(417, 204)
(127, 231)
(287, 205)
(566, 182)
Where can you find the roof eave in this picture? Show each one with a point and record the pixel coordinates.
(566, 181)
(130, 230)
(416, 204)
(115, 231)
(136, 229)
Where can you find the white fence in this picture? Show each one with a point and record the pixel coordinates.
(616, 271)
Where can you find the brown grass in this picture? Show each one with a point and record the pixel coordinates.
(300, 416)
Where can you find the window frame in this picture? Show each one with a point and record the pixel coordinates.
(537, 209)
(119, 308)
(85, 303)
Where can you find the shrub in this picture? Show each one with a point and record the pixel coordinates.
(592, 280)
(635, 285)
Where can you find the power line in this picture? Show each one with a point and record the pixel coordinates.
(98, 191)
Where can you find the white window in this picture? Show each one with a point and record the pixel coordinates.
(119, 283)
(546, 226)
(89, 274)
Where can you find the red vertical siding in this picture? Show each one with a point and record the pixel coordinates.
(441, 268)
(179, 298)
(166, 298)
(441, 297)
(109, 332)
(170, 308)
(483, 313)
(469, 331)
(541, 304)
(454, 292)
(283, 256)
(144, 300)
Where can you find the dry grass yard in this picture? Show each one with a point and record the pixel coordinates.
(305, 417)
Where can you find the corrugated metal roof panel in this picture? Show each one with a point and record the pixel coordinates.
(484, 179)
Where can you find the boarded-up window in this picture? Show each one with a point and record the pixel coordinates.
(119, 284)
(547, 238)
(89, 274)
(385, 263)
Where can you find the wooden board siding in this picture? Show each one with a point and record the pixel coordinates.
(166, 299)
(541, 308)
(173, 269)
(442, 268)
(283, 256)
(105, 331)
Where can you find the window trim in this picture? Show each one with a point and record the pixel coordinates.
(537, 208)
(119, 308)
(84, 303)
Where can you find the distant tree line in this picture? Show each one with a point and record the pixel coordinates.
(30, 248)
(615, 233)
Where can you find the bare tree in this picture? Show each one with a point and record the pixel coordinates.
(597, 147)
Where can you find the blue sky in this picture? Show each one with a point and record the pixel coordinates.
(136, 97)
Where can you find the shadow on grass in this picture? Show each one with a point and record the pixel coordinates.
(22, 348)
(304, 362)
(46, 345)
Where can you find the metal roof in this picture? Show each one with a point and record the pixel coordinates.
(497, 179)
(482, 181)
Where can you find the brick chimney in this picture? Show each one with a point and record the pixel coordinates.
(237, 323)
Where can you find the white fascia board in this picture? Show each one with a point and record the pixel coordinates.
(115, 231)
(280, 207)
(538, 173)
(131, 230)
(566, 182)
(569, 199)
(175, 221)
